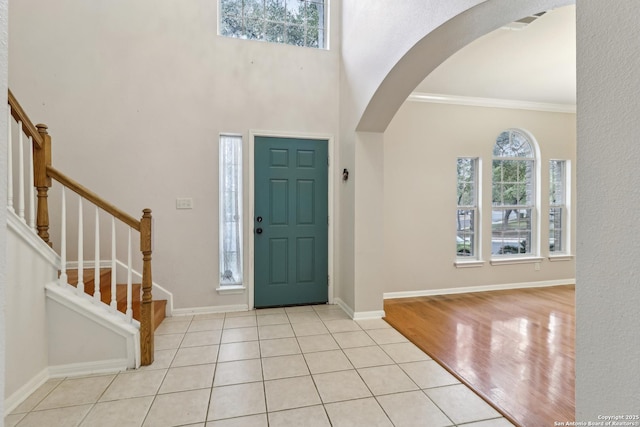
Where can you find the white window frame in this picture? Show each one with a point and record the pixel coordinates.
(563, 205)
(534, 253)
(265, 22)
(233, 142)
(474, 259)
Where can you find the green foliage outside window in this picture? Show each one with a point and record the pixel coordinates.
(295, 22)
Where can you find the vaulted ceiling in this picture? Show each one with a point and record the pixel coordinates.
(536, 63)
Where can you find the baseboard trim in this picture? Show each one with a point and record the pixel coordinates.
(88, 368)
(20, 395)
(31, 238)
(358, 315)
(366, 315)
(214, 309)
(470, 289)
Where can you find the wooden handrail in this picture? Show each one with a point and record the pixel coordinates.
(44, 172)
(27, 126)
(93, 197)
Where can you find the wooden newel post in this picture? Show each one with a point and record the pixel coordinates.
(42, 182)
(146, 311)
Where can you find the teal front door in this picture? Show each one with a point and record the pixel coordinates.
(290, 221)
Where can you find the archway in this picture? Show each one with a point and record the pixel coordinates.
(434, 48)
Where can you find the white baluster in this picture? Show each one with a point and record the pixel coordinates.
(63, 240)
(32, 190)
(129, 312)
(20, 173)
(114, 301)
(96, 269)
(80, 287)
(9, 166)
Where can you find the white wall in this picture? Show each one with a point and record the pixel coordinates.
(608, 272)
(4, 36)
(420, 149)
(135, 96)
(27, 340)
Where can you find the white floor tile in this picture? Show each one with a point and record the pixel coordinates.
(134, 384)
(311, 416)
(269, 332)
(187, 356)
(386, 336)
(353, 339)
(361, 412)
(280, 367)
(411, 409)
(386, 380)
(284, 367)
(175, 409)
(206, 325)
(239, 351)
(279, 347)
(240, 322)
(237, 401)
(428, 374)
(338, 386)
(199, 339)
(364, 357)
(290, 393)
(404, 352)
(121, 413)
(327, 361)
(259, 420)
(239, 335)
(317, 343)
(237, 372)
(70, 416)
(461, 404)
(187, 378)
(76, 391)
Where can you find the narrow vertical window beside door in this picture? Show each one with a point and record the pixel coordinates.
(230, 210)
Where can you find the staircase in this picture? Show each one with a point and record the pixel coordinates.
(159, 306)
(31, 181)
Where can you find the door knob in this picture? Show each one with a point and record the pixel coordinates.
(258, 230)
(259, 219)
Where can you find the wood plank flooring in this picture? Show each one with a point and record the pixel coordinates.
(515, 348)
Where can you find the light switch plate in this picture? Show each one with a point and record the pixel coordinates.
(184, 203)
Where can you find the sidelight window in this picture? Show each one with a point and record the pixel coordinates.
(230, 191)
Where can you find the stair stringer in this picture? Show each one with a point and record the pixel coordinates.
(85, 337)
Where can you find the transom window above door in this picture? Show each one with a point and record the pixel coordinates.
(294, 22)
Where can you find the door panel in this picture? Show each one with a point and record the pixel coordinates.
(291, 213)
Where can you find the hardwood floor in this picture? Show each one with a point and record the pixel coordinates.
(515, 348)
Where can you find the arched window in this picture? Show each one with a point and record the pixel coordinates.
(513, 195)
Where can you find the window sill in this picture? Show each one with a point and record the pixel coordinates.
(554, 258)
(519, 260)
(468, 264)
(231, 289)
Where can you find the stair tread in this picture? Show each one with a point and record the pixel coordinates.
(159, 306)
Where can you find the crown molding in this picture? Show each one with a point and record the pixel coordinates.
(435, 98)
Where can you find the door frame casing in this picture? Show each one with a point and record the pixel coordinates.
(250, 270)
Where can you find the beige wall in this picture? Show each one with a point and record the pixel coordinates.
(135, 96)
(420, 150)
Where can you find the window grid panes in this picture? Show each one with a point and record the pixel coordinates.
(557, 206)
(467, 208)
(230, 190)
(513, 194)
(294, 22)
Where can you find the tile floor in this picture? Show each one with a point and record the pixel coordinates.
(294, 366)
